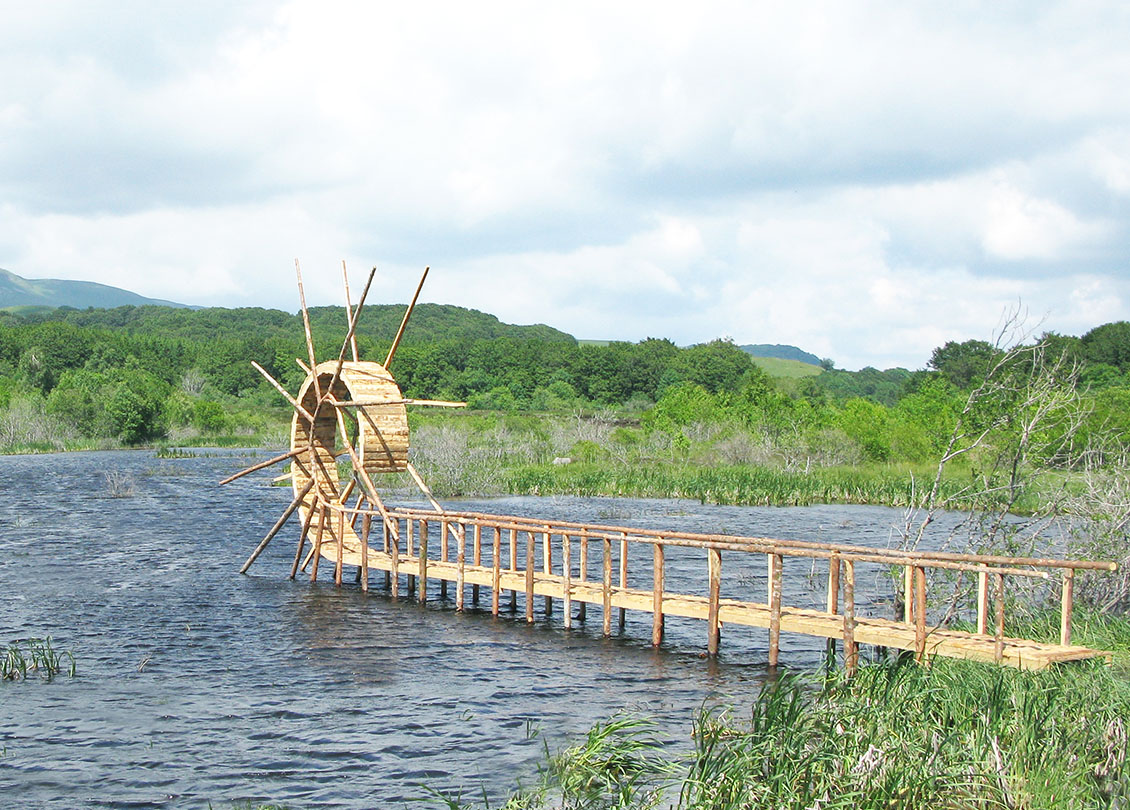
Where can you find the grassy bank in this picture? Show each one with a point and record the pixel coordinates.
(956, 734)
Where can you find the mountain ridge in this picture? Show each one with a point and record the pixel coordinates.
(16, 291)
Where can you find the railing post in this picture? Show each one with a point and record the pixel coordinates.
(582, 573)
(919, 614)
(607, 589)
(366, 527)
(567, 571)
(657, 595)
(394, 547)
(1066, 606)
(423, 561)
(513, 567)
(529, 576)
(408, 552)
(998, 637)
(908, 593)
(833, 601)
(851, 649)
(385, 546)
(623, 574)
(775, 565)
(443, 556)
(477, 559)
(496, 569)
(983, 601)
(714, 570)
(547, 565)
(340, 564)
(460, 565)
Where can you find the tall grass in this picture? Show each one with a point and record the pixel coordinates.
(957, 734)
(734, 485)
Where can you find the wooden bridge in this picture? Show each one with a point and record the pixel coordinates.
(586, 564)
(355, 408)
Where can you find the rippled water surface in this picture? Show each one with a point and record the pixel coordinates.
(196, 684)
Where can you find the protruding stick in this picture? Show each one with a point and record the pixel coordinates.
(275, 529)
(456, 531)
(349, 310)
(349, 335)
(294, 402)
(404, 323)
(302, 541)
(262, 464)
(432, 403)
(309, 334)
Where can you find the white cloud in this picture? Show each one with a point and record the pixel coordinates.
(863, 180)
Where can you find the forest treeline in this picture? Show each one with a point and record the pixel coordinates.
(140, 374)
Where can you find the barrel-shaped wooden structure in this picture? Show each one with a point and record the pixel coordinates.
(380, 441)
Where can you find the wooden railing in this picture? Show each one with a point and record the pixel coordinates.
(483, 550)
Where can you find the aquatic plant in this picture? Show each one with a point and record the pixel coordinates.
(956, 734)
(34, 656)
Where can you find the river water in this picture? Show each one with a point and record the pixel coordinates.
(198, 685)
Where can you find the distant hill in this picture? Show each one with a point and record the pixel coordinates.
(52, 292)
(781, 351)
(790, 369)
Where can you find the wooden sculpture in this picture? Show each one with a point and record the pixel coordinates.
(350, 409)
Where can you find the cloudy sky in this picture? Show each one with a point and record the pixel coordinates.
(863, 180)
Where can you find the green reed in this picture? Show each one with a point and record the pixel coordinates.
(733, 485)
(34, 656)
(956, 734)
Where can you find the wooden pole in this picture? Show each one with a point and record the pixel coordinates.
(775, 565)
(513, 567)
(547, 565)
(1066, 606)
(394, 563)
(833, 601)
(340, 548)
(623, 574)
(423, 562)
(919, 614)
(293, 402)
(317, 549)
(983, 601)
(443, 556)
(477, 560)
(302, 540)
(408, 554)
(582, 573)
(460, 568)
(278, 525)
(908, 593)
(404, 323)
(309, 334)
(366, 527)
(262, 464)
(657, 595)
(998, 638)
(851, 649)
(349, 310)
(530, 562)
(495, 569)
(567, 573)
(714, 571)
(607, 587)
